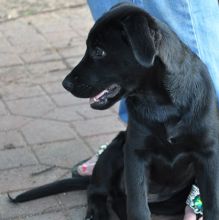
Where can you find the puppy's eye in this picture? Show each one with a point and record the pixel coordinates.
(99, 53)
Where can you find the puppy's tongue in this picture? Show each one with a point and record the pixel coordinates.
(108, 93)
(98, 97)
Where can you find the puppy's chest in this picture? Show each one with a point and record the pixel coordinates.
(169, 158)
(162, 117)
(166, 153)
(171, 172)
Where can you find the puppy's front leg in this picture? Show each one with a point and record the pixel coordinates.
(135, 182)
(207, 170)
(109, 163)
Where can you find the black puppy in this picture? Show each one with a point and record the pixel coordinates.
(172, 134)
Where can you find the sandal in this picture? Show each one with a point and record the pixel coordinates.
(85, 167)
(194, 202)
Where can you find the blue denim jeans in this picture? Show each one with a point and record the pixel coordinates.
(196, 22)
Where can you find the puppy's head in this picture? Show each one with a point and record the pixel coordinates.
(120, 50)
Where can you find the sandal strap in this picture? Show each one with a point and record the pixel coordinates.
(194, 200)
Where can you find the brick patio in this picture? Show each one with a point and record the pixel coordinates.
(42, 126)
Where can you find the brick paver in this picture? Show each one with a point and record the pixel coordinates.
(41, 125)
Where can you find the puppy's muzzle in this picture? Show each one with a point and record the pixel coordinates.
(79, 89)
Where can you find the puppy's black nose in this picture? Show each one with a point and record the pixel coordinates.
(68, 85)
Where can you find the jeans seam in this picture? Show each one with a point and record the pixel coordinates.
(192, 25)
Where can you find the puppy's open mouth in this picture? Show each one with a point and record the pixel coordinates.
(106, 98)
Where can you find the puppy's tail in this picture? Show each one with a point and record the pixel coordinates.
(65, 185)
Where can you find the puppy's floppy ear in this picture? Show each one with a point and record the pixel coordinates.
(140, 39)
